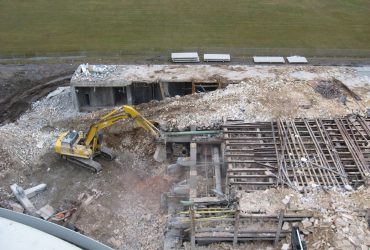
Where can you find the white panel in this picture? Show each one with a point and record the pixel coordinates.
(185, 57)
(217, 57)
(268, 59)
(297, 59)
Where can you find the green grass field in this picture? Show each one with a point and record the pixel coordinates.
(134, 26)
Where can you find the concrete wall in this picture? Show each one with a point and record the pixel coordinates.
(94, 97)
(90, 98)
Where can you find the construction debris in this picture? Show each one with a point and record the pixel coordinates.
(23, 196)
(90, 72)
(307, 153)
(329, 89)
(46, 212)
(291, 158)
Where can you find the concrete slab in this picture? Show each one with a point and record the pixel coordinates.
(123, 75)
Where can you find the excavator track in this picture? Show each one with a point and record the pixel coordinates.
(86, 163)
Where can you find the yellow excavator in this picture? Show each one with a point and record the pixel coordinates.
(81, 148)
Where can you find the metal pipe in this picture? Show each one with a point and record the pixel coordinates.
(202, 132)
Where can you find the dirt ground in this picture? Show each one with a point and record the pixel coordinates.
(125, 212)
(21, 85)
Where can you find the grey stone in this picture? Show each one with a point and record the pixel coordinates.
(46, 212)
(286, 226)
(306, 223)
(285, 246)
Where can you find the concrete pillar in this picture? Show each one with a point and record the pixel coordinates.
(129, 94)
(76, 105)
(101, 97)
(111, 96)
(165, 89)
(193, 172)
(216, 161)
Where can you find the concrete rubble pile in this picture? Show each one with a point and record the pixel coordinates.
(206, 110)
(339, 217)
(33, 134)
(90, 73)
(129, 225)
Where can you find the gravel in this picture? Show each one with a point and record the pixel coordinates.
(34, 134)
(338, 221)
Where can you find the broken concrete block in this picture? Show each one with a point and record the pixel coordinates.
(345, 230)
(316, 223)
(347, 216)
(285, 226)
(285, 246)
(160, 154)
(348, 187)
(184, 161)
(305, 104)
(306, 223)
(24, 195)
(181, 189)
(305, 232)
(22, 198)
(31, 192)
(46, 212)
(286, 200)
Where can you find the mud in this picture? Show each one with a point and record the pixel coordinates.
(23, 84)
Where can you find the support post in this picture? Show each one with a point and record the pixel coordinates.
(129, 94)
(161, 88)
(216, 162)
(192, 221)
(280, 225)
(193, 171)
(75, 102)
(236, 228)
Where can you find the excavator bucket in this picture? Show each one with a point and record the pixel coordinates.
(160, 154)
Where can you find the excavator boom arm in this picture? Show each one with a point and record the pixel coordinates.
(117, 115)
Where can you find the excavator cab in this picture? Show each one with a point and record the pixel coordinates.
(70, 138)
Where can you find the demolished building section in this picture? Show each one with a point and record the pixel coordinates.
(238, 174)
(97, 86)
(224, 178)
(298, 153)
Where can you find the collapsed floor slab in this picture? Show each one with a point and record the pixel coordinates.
(303, 155)
(297, 153)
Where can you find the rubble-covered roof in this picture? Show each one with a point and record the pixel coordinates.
(122, 75)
